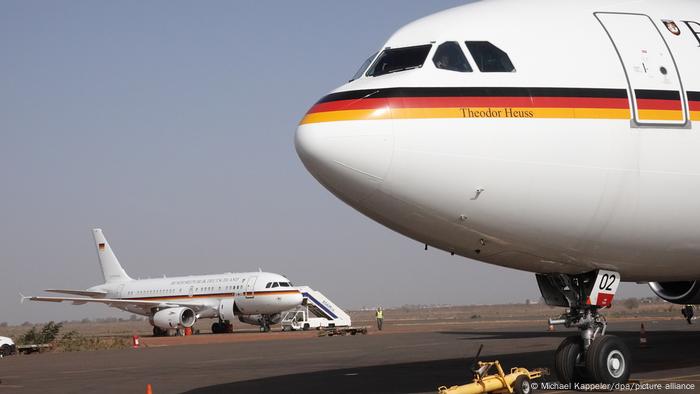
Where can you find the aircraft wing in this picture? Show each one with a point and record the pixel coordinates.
(120, 302)
(98, 294)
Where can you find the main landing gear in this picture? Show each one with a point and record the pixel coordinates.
(592, 356)
(159, 332)
(221, 327)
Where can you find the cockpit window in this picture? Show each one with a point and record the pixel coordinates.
(267, 286)
(449, 56)
(489, 58)
(284, 284)
(399, 59)
(275, 284)
(363, 67)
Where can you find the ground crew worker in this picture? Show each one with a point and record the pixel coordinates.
(688, 313)
(380, 318)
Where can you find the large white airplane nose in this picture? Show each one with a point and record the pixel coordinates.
(349, 158)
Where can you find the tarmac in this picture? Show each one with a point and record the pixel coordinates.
(401, 359)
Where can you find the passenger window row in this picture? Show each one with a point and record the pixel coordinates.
(448, 56)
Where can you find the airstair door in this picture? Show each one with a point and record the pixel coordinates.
(250, 287)
(652, 76)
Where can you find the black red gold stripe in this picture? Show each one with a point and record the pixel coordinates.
(659, 105)
(490, 102)
(694, 104)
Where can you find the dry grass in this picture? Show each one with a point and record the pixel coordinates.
(495, 313)
(75, 342)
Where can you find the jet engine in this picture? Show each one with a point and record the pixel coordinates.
(257, 320)
(677, 292)
(174, 318)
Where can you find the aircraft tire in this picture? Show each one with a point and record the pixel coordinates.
(608, 360)
(567, 360)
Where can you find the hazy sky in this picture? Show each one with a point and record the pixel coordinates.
(170, 124)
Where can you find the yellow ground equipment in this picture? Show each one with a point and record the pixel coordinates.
(516, 382)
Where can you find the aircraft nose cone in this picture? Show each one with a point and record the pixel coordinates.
(351, 159)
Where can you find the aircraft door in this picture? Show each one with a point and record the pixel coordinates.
(652, 76)
(250, 287)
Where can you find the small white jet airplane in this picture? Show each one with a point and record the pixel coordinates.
(552, 136)
(172, 304)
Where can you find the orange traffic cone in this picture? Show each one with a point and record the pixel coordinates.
(135, 342)
(149, 389)
(643, 337)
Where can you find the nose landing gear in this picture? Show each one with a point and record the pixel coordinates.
(592, 356)
(264, 324)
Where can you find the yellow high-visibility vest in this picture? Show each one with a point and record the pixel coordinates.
(380, 314)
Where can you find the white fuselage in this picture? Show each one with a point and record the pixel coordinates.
(252, 293)
(574, 162)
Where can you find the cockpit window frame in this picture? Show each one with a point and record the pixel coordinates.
(364, 67)
(462, 51)
(480, 64)
(370, 70)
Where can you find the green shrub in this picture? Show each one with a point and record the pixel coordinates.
(47, 334)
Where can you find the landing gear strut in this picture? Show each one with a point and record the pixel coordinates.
(591, 356)
(264, 324)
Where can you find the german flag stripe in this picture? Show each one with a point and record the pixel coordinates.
(477, 102)
(694, 105)
(486, 102)
(673, 105)
(657, 94)
(475, 92)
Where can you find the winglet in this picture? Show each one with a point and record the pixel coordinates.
(22, 297)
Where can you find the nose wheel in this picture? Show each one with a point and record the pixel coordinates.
(570, 360)
(607, 360)
(591, 356)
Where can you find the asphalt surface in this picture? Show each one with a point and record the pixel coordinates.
(399, 362)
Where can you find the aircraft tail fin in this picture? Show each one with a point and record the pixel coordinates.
(111, 269)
